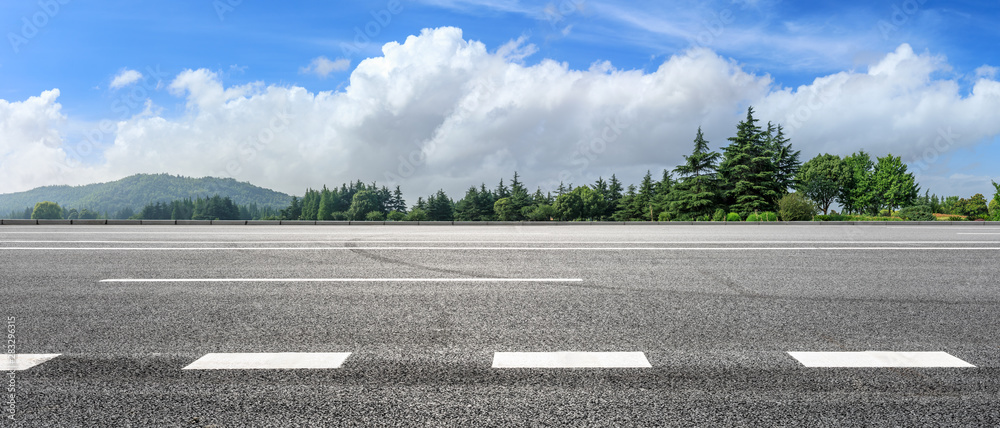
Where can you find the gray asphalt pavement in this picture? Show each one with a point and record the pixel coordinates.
(714, 309)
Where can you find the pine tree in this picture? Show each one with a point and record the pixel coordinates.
(748, 170)
(697, 192)
(785, 159)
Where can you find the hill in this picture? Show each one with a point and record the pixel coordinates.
(138, 190)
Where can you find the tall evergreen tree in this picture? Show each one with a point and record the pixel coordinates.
(785, 158)
(697, 192)
(748, 170)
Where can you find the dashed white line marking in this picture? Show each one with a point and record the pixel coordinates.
(555, 360)
(15, 362)
(270, 361)
(342, 280)
(878, 359)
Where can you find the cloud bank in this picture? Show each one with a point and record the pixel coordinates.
(439, 111)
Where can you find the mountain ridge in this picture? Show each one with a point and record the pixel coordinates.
(135, 191)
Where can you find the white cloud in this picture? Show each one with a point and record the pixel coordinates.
(438, 111)
(322, 67)
(124, 78)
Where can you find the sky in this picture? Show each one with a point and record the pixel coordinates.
(446, 94)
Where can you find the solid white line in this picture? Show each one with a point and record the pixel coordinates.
(554, 360)
(878, 359)
(270, 361)
(509, 242)
(343, 280)
(15, 362)
(492, 248)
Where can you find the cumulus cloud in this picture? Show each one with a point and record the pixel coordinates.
(438, 111)
(124, 78)
(322, 67)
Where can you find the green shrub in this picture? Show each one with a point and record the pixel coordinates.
(417, 215)
(753, 217)
(885, 213)
(831, 217)
(734, 217)
(541, 212)
(664, 216)
(795, 207)
(375, 216)
(916, 213)
(704, 218)
(338, 216)
(396, 216)
(954, 218)
(768, 216)
(720, 215)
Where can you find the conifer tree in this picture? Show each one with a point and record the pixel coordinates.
(748, 170)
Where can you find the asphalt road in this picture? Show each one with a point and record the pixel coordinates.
(715, 310)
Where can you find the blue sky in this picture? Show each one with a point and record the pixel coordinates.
(255, 49)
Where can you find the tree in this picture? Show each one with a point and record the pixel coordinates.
(440, 207)
(363, 202)
(642, 205)
(994, 206)
(614, 196)
(519, 198)
(569, 206)
(327, 204)
(503, 209)
(696, 193)
(795, 207)
(396, 202)
(975, 208)
(785, 159)
(748, 170)
(820, 179)
(417, 214)
(892, 186)
(46, 211)
(856, 183)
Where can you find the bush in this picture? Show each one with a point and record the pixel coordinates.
(664, 216)
(995, 209)
(768, 216)
(917, 213)
(795, 207)
(753, 217)
(396, 216)
(704, 218)
(338, 216)
(734, 217)
(831, 217)
(885, 213)
(954, 218)
(541, 212)
(375, 216)
(417, 215)
(720, 215)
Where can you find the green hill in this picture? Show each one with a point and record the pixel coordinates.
(138, 190)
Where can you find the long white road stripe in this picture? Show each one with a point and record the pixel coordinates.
(556, 360)
(344, 280)
(501, 248)
(15, 362)
(270, 361)
(878, 359)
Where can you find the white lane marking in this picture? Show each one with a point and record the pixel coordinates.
(343, 280)
(508, 242)
(270, 361)
(878, 359)
(980, 233)
(495, 248)
(14, 362)
(553, 360)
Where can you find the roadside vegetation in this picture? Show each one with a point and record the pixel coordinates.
(757, 176)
